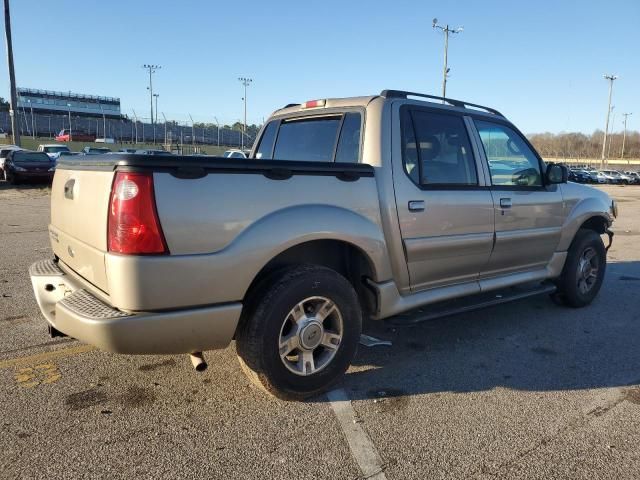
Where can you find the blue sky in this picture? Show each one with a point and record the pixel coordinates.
(539, 62)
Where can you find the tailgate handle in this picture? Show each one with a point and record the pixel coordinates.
(68, 188)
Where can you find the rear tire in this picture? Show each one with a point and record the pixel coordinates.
(583, 271)
(299, 332)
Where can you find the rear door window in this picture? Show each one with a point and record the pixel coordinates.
(312, 140)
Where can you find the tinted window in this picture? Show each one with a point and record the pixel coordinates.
(31, 157)
(266, 142)
(437, 151)
(309, 139)
(511, 161)
(349, 143)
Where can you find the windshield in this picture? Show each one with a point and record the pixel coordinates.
(31, 157)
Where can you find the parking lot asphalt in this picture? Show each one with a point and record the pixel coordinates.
(523, 390)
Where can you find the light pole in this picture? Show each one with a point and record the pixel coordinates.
(218, 125)
(193, 131)
(69, 108)
(104, 124)
(33, 128)
(152, 69)
(611, 79)
(13, 99)
(156, 95)
(136, 118)
(624, 135)
(165, 127)
(245, 82)
(613, 122)
(445, 70)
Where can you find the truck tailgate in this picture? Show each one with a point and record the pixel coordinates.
(78, 229)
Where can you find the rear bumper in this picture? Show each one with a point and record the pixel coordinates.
(78, 313)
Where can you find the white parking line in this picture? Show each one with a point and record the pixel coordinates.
(360, 444)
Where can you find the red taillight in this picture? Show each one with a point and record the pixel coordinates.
(134, 227)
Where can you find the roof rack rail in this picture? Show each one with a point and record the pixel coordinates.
(291, 105)
(450, 101)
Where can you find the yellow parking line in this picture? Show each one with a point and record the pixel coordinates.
(40, 357)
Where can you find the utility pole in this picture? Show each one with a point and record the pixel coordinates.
(245, 82)
(13, 100)
(611, 79)
(33, 125)
(152, 69)
(445, 70)
(624, 135)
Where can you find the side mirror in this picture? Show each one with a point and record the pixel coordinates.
(556, 173)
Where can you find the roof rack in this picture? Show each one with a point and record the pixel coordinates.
(450, 101)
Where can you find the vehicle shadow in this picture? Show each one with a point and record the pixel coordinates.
(532, 345)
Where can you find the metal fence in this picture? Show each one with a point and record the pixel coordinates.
(124, 130)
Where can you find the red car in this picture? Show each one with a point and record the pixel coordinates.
(66, 135)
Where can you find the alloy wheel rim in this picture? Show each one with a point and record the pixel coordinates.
(310, 335)
(588, 266)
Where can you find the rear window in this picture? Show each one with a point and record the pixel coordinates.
(31, 157)
(313, 139)
(56, 149)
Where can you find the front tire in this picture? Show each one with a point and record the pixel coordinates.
(583, 271)
(299, 332)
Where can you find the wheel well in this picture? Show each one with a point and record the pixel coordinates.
(345, 258)
(597, 224)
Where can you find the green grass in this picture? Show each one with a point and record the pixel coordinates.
(32, 144)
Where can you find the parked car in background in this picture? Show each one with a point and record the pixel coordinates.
(60, 155)
(3, 134)
(21, 165)
(105, 140)
(615, 177)
(579, 176)
(596, 176)
(4, 151)
(53, 149)
(234, 153)
(634, 176)
(127, 150)
(152, 152)
(66, 135)
(95, 150)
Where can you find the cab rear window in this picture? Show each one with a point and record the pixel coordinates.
(313, 139)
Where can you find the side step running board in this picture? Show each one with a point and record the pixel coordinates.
(468, 304)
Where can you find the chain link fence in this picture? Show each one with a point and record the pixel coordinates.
(124, 129)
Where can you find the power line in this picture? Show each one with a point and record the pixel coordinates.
(445, 70)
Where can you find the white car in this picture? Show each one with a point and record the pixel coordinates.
(53, 149)
(4, 151)
(234, 153)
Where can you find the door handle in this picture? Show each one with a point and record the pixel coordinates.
(505, 203)
(416, 205)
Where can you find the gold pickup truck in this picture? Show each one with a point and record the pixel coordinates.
(346, 209)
